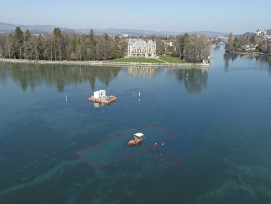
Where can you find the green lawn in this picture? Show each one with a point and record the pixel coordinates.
(134, 59)
(163, 59)
(170, 59)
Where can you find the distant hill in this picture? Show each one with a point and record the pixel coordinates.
(210, 33)
(248, 34)
(131, 32)
(43, 29)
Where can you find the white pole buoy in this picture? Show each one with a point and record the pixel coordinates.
(66, 98)
(139, 94)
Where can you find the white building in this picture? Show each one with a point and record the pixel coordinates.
(260, 33)
(99, 94)
(141, 48)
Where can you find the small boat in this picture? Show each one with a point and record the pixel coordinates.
(100, 97)
(138, 138)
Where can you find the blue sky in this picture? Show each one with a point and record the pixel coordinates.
(237, 16)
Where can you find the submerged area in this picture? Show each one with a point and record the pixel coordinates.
(219, 120)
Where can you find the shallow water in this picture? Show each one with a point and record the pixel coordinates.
(218, 121)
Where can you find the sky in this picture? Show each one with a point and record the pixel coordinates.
(236, 16)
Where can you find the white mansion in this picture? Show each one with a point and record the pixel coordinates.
(141, 48)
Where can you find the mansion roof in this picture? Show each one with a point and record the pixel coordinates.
(141, 43)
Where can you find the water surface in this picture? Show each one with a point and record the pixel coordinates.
(221, 119)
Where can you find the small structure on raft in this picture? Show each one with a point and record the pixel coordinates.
(101, 97)
(138, 138)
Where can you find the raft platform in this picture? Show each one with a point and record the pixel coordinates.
(103, 99)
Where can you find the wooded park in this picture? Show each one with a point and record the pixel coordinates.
(62, 45)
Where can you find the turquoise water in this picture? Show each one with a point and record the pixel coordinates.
(220, 119)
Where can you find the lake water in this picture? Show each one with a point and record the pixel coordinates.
(207, 134)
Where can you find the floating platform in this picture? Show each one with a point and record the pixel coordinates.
(103, 99)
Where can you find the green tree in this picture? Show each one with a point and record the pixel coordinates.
(58, 43)
(71, 47)
(38, 48)
(236, 44)
(2, 45)
(104, 50)
(183, 44)
(229, 44)
(19, 38)
(91, 47)
(79, 48)
(116, 49)
(252, 40)
(27, 45)
(16, 44)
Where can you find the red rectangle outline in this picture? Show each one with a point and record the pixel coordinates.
(180, 161)
(129, 155)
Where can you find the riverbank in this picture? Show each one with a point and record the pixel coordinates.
(256, 54)
(110, 63)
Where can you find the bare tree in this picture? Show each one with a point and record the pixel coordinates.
(197, 48)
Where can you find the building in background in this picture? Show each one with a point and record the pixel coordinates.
(141, 48)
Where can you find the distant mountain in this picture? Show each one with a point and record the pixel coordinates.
(43, 29)
(131, 32)
(248, 34)
(210, 33)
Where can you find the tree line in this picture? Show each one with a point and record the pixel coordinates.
(247, 43)
(189, 48)
(60, 45)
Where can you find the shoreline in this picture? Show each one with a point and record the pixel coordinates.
(259, 54)
(108, 63)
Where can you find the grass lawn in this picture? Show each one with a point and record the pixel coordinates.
(134, 59)
(170, 59)
(163, 59)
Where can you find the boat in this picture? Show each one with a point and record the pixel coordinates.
(138, 138)
(100, 97)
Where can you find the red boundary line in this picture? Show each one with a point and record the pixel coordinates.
(114, 138)
(179, 160)
(147, 149)
(84, 160)
(120, 159)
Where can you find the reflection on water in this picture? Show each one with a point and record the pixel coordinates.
(34, 75)
(231, 57)
(142, 71)
(194, 80)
